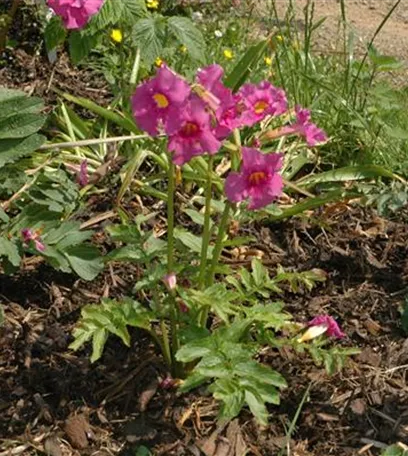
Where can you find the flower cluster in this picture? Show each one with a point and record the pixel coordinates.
(30, 236)
(75, 13)
(198, 117)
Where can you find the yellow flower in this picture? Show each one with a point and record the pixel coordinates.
(158, 62)
(116, 35)
(152, 4)
(268, 61)
(279, 38)
(183, 49)
(228, 54)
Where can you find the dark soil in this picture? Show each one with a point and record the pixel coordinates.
(45, 387)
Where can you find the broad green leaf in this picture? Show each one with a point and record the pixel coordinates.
(12, 150)
(54, 33)
(242, 69)
(99, 339)
(81, 44)
(85, 260)
(20, 125)
(149, 34)
(17, 102)
(348, 173)
(259, 372)
(189, 35)
(10, 251)
(257, 406)
(192, 381)
(191, 241)
(195, 349)
(394, 450)
(108, 15)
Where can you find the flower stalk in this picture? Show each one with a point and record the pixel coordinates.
(207, 223)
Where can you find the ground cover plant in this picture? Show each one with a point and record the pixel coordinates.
(227, 209)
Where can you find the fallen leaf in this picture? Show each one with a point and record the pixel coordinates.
(147, 395)
(78, 429)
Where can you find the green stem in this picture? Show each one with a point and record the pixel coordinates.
(170, 265)
(170, 217)
(166, 344)
(218, 243)
(207, 222)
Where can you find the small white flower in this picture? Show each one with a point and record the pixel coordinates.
(197, 16)
(218, 33)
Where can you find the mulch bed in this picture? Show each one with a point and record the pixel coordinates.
(54, 400)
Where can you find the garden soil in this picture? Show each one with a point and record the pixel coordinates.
(55, 402)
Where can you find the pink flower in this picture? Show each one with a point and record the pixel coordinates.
(332, 327)
(304, 127)
(194, 136)
(75, 13)
(210, 78)
(30, 236)
(260, 101)
(158, 100)
(170, 280)
(82, 175)
(258, 179)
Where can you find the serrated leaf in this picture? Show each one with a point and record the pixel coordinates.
(259, 272)
(149, 34)
(189, 35)
(99, 339)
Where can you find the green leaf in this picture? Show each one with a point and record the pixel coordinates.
(9, 251)
(17, 102)
(110, 317)
(99, 338)
(149, 34)
(106, 114)
(189, 35)
(257, 406)
(81, 44)
(191, 241)
(261, 373)
(108, 15)
(193, 381)
(12, 150)
(54, 33)
(20, 125)
(348, 173)
(259, 272)
(195, 349)
(85, 260)
(248, 61)
(394, 450)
